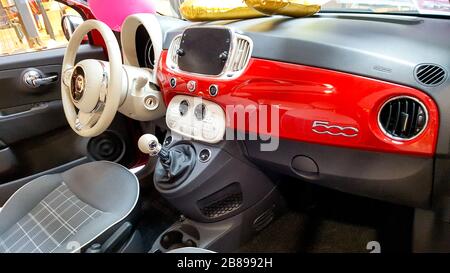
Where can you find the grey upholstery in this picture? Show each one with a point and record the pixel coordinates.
(65, 212)
(190, 250)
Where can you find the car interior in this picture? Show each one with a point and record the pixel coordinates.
(324, 133)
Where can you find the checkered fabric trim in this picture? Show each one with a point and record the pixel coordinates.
(49, 225)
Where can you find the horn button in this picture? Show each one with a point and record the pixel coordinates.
(78, 84)
(86, 84)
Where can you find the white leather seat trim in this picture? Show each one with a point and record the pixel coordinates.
(120, 220)
(106, 229)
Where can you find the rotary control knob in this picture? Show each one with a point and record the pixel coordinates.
(200, 111)
(184, 107)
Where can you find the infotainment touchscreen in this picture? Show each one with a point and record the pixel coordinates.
(204, 50)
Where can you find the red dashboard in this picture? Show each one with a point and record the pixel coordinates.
(315, 105)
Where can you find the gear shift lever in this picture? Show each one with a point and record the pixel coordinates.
(174, 165)
(149, 144)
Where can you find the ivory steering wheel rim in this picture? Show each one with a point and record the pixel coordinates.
(112, 86)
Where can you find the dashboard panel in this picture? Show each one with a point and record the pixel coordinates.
(352, 111)
(309, 101)
(396, 47)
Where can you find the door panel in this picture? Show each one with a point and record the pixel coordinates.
(15, 92)
(47, 57)
(38, 118)
(34, 134)
(35, 138)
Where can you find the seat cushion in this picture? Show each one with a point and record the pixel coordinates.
(66, 212)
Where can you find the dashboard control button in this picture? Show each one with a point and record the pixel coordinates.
(223, 56)
(173, 82)
(203, 121)
(191, 86)
(168, 141)
(204, 155)
(213, 90)
(200, 111)
(180, 52)
(184, 107)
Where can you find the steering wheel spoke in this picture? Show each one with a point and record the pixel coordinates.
(67, 76)
(91, 90)
(86, 120)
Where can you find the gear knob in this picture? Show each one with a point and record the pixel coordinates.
(149, 144)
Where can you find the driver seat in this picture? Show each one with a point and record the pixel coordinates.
(69, 211)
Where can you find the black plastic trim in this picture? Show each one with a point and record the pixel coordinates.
(401, 179)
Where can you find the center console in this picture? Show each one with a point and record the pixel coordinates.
(223, 197)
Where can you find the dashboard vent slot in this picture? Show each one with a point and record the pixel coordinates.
(242, 55)
(430, 74)
(403, 118)
(223, 202)
(173, 49)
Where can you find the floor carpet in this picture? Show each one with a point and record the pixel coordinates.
(319, 220)
(157, 215)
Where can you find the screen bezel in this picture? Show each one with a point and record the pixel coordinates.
(204, 70)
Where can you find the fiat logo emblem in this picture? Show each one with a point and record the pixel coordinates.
(78, 84)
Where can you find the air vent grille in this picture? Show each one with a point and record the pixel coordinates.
(222, 202)
(403, 118)
(242, 55)
(430, 74)
(224, 206)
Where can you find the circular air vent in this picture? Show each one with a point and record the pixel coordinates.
(430, 74)
(403, 118)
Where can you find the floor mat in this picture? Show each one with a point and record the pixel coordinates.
(325, 221)
(157, 215)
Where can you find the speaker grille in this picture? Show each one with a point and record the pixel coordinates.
(430, 74)
(403, 118)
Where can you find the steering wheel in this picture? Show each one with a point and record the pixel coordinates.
(91, 90)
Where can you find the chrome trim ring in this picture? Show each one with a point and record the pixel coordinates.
(209, 157)
(227, 73)
(213, 86)
(173, 82)
(399, 138)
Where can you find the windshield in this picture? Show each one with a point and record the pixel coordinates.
(441, 7)
(428, 7)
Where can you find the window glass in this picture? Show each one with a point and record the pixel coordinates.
(31, 25)
(439, 7)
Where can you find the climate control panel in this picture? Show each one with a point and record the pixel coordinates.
(196, 118)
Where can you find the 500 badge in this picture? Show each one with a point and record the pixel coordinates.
(324, 127)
